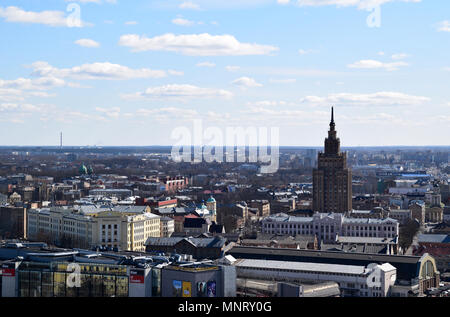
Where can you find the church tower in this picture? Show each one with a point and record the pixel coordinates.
(332, 180)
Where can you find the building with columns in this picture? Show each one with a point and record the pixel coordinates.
(329, 226)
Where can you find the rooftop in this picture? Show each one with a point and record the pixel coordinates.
(302, 266)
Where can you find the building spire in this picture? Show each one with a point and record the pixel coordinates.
(332, 125)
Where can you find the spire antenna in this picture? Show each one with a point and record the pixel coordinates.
(332, 114)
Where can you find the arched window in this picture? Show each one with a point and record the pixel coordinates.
(428, 269)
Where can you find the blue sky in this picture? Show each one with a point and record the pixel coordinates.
(133, 71)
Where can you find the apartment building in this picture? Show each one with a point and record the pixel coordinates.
(106, 228)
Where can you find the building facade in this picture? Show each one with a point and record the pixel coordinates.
(328, 227)
(374, 280)
(106, 228)
(332, 180)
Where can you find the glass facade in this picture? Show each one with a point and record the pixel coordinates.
(56, 280)
(156, 282)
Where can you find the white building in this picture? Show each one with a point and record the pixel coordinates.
(167, 226)
(401, 215)
(327, 227)
(372, 281)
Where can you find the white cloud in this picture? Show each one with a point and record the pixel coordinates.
(360, 4)
(232, 68)
(87, 43)
(113, 112)
(304, 52)
(106, 71)
(373, 64)
(177, 91)
(283, 81)
(14, 94)
(131, 23)
(268, 103)
(183, 22)
(93, 1)
(283, 1)
(168, 113)
(384, 98)
(399, 56)
(189, 5)
(175, 72)
(246, 82)
(444, 26)
(206, 64)
(195, 45)
(50, 18)
(42, 83)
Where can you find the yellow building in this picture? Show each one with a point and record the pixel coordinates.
(126, 229)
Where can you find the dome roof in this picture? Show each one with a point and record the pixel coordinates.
(83, 169)
(211, 200)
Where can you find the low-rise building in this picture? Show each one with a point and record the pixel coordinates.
(417, 208)
(167, 226)
(401, 215)
(327, 227)
(199, 248)
(415, 274)
(374, 280)
(198, 280)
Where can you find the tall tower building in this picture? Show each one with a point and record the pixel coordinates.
(332, 180)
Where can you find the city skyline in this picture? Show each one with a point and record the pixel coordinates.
(130, 74)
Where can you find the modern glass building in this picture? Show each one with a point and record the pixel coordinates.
(57, 279)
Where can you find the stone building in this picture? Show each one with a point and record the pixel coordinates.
(418, 211)
(332, 180)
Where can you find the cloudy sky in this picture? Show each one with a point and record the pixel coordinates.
(116, 72)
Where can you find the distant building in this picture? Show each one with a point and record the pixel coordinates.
(328, 227)
(3, 199)
(332, 180)
(374, 280)
(263, 207)
(195, 225)
(111, 192)
(415, 274)
(282, 241)
(167, 226)
(376, 213)
(282, 205)
(198, 280)
(418, 211)
(199, 248)
(13, 222)
(14, 198)
(446, 214)
(437, 245)
(115, 228)
(435, 213)
(402, 216)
